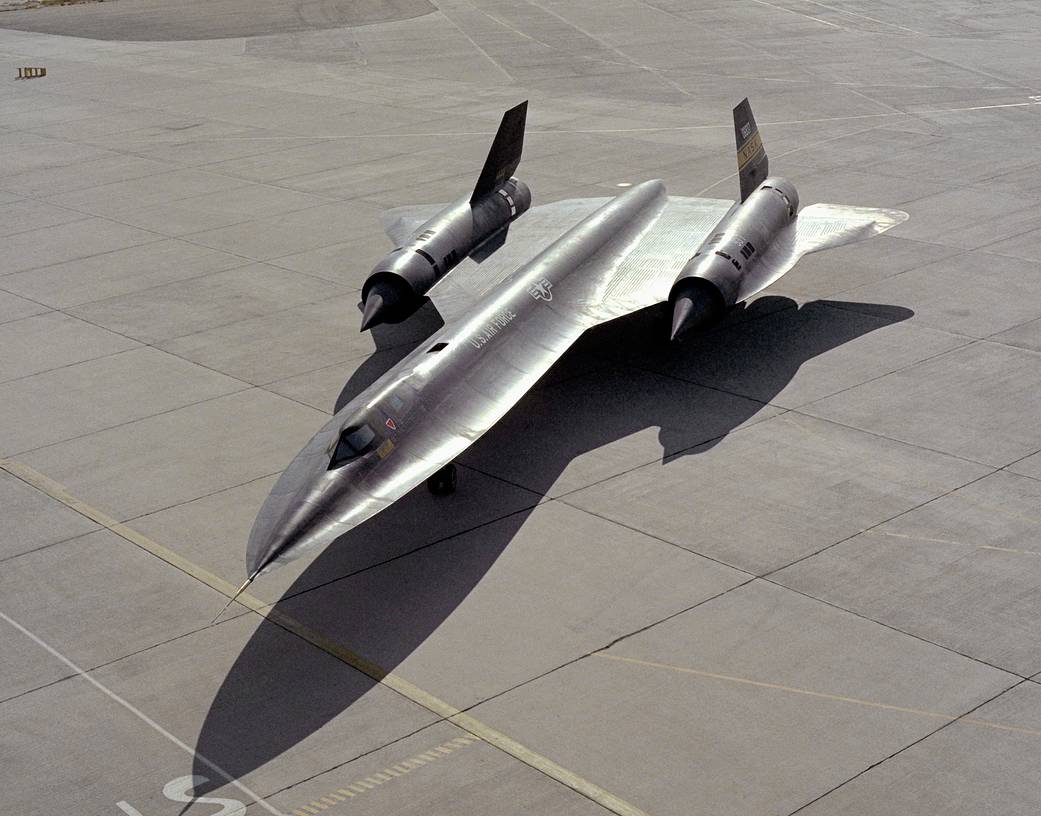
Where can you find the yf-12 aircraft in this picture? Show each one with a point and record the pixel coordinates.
(514, 293)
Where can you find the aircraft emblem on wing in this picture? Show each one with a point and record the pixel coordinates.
(541, 290)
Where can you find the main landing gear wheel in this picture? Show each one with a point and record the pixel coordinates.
(443, 482)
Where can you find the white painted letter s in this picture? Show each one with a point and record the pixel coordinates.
(179, 790)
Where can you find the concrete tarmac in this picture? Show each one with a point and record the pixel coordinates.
(167, 20)
(791, 565)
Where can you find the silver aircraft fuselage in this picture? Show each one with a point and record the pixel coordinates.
(443, 396)
(506, 324)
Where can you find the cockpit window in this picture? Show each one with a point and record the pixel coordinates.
(354, 441)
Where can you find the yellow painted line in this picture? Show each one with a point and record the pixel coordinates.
(58, 492)
(1009, 550)
(392, 681)
(906, 537)
(819, 694)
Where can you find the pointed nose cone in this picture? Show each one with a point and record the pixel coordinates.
(294, 514)
(302, 528)
(374, 311)
(267, 540)
(696, 303)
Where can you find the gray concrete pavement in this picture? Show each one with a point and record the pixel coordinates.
(958, 579)
(958, 765)
(155, 20)
(788, 566)
(693, 694)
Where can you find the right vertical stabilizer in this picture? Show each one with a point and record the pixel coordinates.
(752, 164)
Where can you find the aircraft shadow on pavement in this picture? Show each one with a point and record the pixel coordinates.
(268, 702)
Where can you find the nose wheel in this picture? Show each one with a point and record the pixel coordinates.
(443, 482)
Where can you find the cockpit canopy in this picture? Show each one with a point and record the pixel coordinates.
(356, 439)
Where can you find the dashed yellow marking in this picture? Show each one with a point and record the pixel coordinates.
(396, 770)
(746, 681)
(410, 691)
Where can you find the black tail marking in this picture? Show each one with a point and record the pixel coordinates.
(505, 153)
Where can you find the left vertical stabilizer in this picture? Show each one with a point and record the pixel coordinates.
(505, 154)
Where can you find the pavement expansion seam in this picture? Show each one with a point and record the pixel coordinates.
(896, 440)
(885, 625)
(44, 199)
(910, 745)
(766, 575)
(144, 344)
(617, 640)
(155, 345)
(245, 387)
(392, 681)
(159, 236)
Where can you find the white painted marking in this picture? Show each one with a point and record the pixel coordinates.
(476, 728)
(559, 131)
(798, 13)
(655, 72)
(795, 150)
(179, 790)
(140, 715)
(864, 16)
(473, 42)
(624, 184)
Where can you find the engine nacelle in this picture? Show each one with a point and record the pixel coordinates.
(710, 281)
(397, 285)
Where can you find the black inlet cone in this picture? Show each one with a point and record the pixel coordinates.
(374, 311)
(695, 304)
(681, 312)
(387, 300)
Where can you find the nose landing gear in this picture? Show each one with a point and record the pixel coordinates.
(443, 482)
